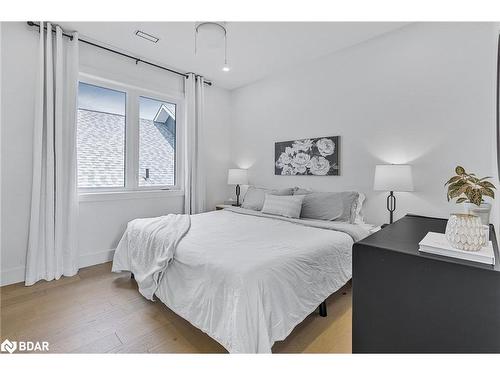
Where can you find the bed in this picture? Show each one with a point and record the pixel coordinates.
(243, 277)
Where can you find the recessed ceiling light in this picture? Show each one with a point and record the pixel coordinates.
(147, 36)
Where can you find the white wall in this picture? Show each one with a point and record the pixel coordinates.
(18, 81)
(423, 95)
(101, 222)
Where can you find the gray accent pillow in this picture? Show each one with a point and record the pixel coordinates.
(335, 206)
(301, 191)
(287, 206)
(254, 198)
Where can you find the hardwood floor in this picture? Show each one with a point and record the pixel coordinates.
(98, 311)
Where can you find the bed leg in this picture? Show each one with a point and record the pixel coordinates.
(322, 309)
(132, 276)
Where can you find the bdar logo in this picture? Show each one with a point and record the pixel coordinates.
(8, 346)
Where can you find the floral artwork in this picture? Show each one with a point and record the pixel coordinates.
(312, 157)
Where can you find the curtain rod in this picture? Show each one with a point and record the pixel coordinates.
(136, 59)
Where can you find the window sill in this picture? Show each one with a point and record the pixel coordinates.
(120, 195)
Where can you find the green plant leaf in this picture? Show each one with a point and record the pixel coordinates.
(459, 182)
(476, 197)
(466, 186)
(465, 189)
(487, 184)
(458, 191)
(457, 185)
(488, 192)
(468, 191)
(453, 193)
(452, 180)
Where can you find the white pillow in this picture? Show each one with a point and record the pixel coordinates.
(254, 198)
(286, 205)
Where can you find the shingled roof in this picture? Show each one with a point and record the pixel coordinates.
(101, 149)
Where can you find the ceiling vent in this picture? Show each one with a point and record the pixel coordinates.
(147, 36)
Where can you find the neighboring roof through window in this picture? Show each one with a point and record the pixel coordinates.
(165, 111)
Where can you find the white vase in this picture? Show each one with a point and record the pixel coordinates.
(483, 211)
(465, 232)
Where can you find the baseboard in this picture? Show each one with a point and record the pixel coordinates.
(98, 257)
(12, 275)
(16, 274)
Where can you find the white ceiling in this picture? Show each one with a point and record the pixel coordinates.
(255, 49)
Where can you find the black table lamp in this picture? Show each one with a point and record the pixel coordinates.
(391, 178)
(237, 177)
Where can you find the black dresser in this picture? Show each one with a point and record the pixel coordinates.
(410, 302)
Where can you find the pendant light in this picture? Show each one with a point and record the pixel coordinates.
(210, 34)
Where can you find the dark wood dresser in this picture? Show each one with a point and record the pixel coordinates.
(410, 302)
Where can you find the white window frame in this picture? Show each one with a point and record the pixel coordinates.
(132, 128)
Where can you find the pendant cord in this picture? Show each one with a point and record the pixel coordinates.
(225, 38)
(225, 47)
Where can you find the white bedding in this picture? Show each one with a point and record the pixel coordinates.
(147, 247)
(247, 279)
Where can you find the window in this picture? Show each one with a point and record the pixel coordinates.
(100, 137)
(126, 138)
(156, 142)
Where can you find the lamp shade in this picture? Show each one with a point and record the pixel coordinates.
(237, 177)
(393, 177)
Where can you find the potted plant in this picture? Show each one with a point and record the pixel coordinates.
(469, 189)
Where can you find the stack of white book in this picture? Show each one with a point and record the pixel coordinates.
(436, 243)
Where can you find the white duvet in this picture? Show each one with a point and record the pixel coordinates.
(247, 279)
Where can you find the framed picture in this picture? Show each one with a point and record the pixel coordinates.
(307, 157)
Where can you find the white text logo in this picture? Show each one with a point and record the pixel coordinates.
(24, 346)
(8, 346)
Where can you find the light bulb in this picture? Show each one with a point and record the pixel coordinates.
(226, 68)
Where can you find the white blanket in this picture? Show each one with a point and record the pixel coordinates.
(247, 280)
(147, 247)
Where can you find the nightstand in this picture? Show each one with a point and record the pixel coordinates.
(222, 206)
(405, 301)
